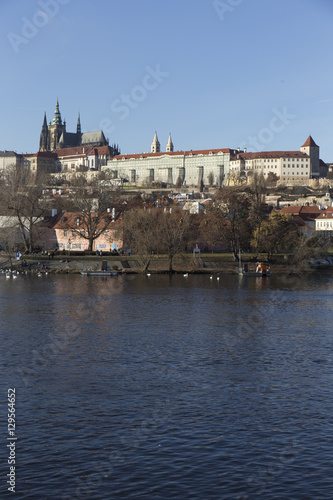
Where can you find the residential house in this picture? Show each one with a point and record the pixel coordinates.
(306, 217)
(67, 231)
(324, 223)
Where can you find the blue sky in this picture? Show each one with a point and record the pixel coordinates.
(214, 73)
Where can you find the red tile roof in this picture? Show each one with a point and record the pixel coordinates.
(45, 154)
(78, 150)
(270, 154)
(309, 142)
(325, 215)
(101, 150)
(298, 209)
(67, 220)
(175, 153)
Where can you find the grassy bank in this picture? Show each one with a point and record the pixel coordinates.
(183, 263)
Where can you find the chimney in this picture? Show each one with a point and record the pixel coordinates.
(54, 212)
(244, 150)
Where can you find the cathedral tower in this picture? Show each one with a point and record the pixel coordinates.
(56, 128)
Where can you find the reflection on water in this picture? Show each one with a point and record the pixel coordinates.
(165, 387)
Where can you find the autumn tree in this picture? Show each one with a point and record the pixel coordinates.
(278, 232)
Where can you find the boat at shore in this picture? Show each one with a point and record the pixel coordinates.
(99, 273)
(262, 269)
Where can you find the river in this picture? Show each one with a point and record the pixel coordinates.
(164, 387)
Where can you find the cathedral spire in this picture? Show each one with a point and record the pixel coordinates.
(44, 136)
(155, 145)
(169, 147)
(57, 115)
(44, 122)
(78, 127)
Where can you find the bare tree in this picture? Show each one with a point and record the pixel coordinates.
(140, 233)
(211, 179)
(21, 196)
(257, 208)
(234, 206)
(93, 206)
(174, 231)
(153, 231)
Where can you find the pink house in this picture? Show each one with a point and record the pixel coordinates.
(67, 231)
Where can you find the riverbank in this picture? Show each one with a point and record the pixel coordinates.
(185, 263)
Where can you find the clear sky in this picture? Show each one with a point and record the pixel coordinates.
(214, 73)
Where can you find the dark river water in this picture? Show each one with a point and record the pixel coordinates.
(163, 387)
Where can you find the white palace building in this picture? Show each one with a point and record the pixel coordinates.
(189, 168)
(215, 166)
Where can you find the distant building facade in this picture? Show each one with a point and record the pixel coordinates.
(83, 158)
(287, 165)
(187, 168)
(10, 159)
(42, 162)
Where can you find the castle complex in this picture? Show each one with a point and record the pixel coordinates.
(62, 151)
(215, 167)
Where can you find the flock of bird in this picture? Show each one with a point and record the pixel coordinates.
(14, 274)
(186, 276)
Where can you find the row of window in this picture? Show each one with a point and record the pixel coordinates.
(325, 224)
(295, 173)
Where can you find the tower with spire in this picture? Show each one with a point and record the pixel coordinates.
(54, 135)
(78, 126)
(169, 146)
(311, 149)
(51, 133)
(155, 145)
(44, 143)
